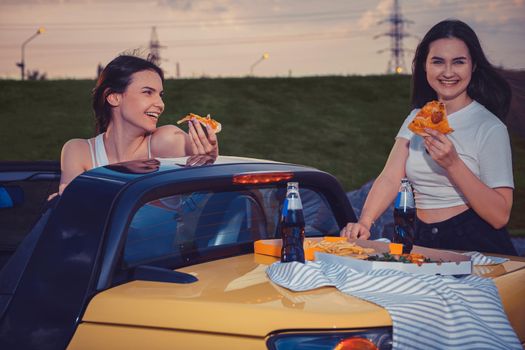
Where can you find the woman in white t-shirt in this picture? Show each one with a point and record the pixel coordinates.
(463, 183)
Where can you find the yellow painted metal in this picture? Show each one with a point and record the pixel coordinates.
(232, 296)
(235, 301)
(101, 337)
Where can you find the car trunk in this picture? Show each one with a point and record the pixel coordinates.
(233, 296)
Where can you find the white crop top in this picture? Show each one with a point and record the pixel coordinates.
(481, 141)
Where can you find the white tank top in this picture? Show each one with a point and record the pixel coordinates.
(99, 157)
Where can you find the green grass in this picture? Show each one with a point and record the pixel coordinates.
(343, 125)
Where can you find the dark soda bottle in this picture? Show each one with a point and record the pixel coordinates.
(404, 217)
(292, 225)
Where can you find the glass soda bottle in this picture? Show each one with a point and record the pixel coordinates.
(292, 225)
(404, 217)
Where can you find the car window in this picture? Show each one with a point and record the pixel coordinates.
(182, 224)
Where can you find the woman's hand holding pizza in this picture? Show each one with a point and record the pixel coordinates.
(201, 142)
(440, 148)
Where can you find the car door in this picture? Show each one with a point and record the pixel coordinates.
(24, 189)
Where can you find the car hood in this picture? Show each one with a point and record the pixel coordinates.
(232, 296)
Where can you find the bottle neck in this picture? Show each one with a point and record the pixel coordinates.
(405, 198)
(294, 203)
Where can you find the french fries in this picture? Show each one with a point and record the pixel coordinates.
(339, 248)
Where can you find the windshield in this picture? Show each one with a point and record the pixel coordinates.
(183, 224)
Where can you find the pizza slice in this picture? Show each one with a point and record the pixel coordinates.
(433, 115)
(214, 125)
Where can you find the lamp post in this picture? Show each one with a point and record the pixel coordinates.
(22, 63)
(265, 56)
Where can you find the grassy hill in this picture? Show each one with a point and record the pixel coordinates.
(343, 125)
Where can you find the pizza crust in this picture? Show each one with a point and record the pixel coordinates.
(212, 123)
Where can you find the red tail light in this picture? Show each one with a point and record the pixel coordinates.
(261, 178)
(355, 344)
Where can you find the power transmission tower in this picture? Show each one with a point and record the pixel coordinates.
(154, 47)
(396, 63)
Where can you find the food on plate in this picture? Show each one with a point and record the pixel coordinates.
(339, 248)
(412, 258)
(433, 115)
(214, 125)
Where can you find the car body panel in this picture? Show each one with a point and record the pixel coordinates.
(232, 290)
(96, 336)
(229, 292)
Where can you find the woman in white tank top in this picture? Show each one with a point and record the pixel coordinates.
(127, 101)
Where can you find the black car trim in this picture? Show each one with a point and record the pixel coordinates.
(160, 274)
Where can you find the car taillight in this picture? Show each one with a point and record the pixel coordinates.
(371, 339)
(355, 344)
(261, 178)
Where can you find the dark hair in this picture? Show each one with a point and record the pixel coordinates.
(486, 86)
(116, 77)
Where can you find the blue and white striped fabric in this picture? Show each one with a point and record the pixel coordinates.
(427, 311)
(479, 259)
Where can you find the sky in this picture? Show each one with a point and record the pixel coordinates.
(228, 38)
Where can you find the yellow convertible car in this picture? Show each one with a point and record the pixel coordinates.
(160, 255)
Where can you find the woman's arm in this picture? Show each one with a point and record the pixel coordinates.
(170, 141)
(74, 161)
(382, 193)
(492, 204)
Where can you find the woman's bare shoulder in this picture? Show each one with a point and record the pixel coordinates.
(76, 145)
(77, 151)
(75, 159)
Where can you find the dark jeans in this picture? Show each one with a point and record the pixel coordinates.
(465, 231)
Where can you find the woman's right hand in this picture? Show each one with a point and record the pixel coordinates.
(202, 143)
(355, 230)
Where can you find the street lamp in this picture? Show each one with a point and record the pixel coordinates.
(22, 63)
(265, 56)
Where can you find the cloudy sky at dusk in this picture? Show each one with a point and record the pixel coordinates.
(227, 37)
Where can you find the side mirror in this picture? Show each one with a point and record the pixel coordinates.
(11, 196)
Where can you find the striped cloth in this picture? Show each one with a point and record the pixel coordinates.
(479, 259)
(427, 311)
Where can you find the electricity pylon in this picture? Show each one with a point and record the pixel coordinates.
(396, 63)
(154, 47)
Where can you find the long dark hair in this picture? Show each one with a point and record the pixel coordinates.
(486, 86)
(116, 77)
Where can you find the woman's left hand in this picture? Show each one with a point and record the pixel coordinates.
(200, 143)
(440, 148)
